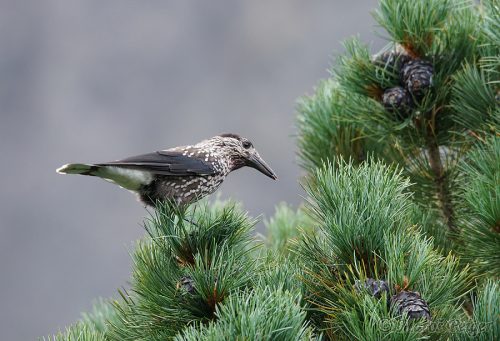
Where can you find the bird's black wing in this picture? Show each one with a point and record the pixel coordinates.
(165, 163)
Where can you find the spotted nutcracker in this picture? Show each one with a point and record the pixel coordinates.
(181, 174)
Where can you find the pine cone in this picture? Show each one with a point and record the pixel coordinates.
(373, 286)
(397, 100)
(187, 284)
(410, 303)
(392, 60)
(416, 75)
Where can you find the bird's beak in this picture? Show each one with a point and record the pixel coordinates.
(255, 161)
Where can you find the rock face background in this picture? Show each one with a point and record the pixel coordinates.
(92, 80)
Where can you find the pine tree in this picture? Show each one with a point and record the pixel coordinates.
(399, 234)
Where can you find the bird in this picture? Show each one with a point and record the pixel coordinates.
(180, 175)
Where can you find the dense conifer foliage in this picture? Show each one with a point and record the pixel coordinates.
(398, 237)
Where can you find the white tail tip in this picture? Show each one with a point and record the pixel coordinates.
(74, 168)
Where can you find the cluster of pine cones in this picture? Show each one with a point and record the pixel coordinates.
(415, 77)
(404, 302)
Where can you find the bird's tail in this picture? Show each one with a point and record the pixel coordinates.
(78, 168)
(126, 178)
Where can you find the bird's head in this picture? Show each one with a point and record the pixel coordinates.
(241, 152)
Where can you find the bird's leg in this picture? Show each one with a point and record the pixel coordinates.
(192, 217)
(191, 222)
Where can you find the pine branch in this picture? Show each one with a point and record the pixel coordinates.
(78, 332)
(480, 221)
(484, 324)
(357, 71)
(285, 227)
(262, 314)
(356, 230)
(194, 260)
(366, 231)
(441, 182)
(93, 326)
(323, 136)
(418, 25)
(474, 103)
(101, 315)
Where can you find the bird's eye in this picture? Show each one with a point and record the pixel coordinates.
(247, 144)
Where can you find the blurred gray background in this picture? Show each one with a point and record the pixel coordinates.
(97, 80)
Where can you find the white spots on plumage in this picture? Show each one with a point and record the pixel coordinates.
(217, 153)
(197, 186)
